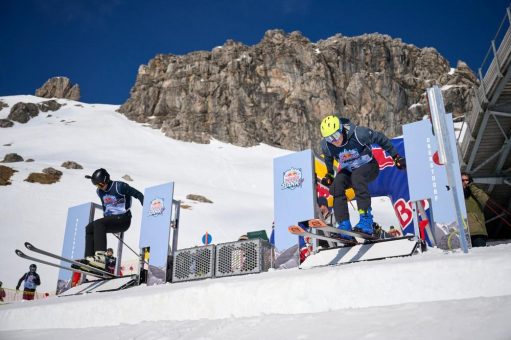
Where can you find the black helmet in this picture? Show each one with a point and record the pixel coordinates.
(33, 266)
(99, 176)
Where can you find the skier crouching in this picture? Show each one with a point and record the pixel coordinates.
(350, 145)
(115, 199)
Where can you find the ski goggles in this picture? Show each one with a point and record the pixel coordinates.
(334, 137)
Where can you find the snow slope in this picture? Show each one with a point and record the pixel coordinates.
(431, 295)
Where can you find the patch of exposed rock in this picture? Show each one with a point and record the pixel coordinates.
(6, 123)
(71, 165)
(47, 176)
(12, 158)
(23, 112)
(127, 178)
(3, 105)
(198, 198)
(5, 175)
(277, 91)
(59, 87)
(49, 105)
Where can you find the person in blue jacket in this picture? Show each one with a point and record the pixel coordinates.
(32, 280)
(350, 145)
(115, 199)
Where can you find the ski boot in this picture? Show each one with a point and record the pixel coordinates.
(97, 261)
(345, 225)
(365, 225)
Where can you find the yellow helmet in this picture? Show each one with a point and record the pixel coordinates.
(329, 125)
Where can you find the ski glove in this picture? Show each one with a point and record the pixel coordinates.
(327, 180)
(399, 162)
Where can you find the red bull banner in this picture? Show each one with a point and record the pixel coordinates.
(393, 183)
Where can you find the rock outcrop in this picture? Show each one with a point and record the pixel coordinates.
(59, 87)
(277, 91)
(12, 158)
(23, 112)
(5, 175)
(47, 176)
(71, 165)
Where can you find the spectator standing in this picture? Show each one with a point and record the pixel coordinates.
(475, 201)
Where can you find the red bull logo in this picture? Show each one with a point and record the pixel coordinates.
(157, 207)
(292, 179)
(404, 211)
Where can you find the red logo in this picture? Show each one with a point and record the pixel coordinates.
(381, 157)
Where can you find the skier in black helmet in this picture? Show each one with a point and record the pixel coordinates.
(116, 201)
(32, 280)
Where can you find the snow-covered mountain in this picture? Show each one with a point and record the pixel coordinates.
(238, 180)
(430, 295)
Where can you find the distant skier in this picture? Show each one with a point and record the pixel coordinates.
(116, 201)
(32, 280)
(350, 145)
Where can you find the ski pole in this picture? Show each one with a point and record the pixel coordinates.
(134, 252)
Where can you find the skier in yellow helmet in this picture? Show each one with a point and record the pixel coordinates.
(350, 145)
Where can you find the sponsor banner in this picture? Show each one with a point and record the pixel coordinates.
(74, 240)
(155, 230)
(294, 195)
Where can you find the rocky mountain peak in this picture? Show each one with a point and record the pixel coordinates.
(277, 91)
(59, 87)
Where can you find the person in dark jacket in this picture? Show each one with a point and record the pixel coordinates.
(2, 292)
(32, 280)
(475, 200)
(116, 202)
(350, 145)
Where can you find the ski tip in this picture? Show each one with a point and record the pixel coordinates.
(294, 229)
(316, 223)
(18, 252)
(28, 245)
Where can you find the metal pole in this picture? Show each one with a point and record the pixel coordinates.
(437, 108)
(175, 233)
(119, 254)
(416, 229)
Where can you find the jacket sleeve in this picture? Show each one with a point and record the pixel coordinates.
(21, 280)
(368, 136)
(37, 280)
(479, 194)
(127, 190)
(329, 159)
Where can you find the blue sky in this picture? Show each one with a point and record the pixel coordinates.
(100, 44)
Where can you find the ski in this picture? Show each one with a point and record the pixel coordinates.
(320, 224)
(297, 230)
(35, 259)
(79, 265)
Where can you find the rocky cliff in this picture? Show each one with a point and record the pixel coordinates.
(59, 87)
(277, 91)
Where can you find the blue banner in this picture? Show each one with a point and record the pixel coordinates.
(155, 230)
(294, 194)
(74, 240)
